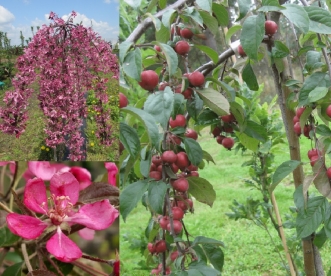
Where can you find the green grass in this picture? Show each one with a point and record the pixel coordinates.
(248, 248)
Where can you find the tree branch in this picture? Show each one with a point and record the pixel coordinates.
(141, 28)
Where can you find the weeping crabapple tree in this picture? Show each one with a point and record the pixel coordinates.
(66, 59)
(44, 203)
(161, 154)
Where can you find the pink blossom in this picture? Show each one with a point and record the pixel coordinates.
(82, 175)
(63, 76)
(61, 213)
(112, 171)
(44, 169)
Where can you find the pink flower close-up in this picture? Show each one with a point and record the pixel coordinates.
(112, 172)
(61, 212)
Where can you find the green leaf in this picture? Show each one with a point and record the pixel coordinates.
(270, 5)
(7, 238)
(132, 64)
(152, 4)
(221, 13)
(297, 15)
(244, 6)
(323, 130)
(14, 270)
(203, 268)
(321, 180)
(207, 117)
(256, 131)
(131, 195)
(157, 23)
(327, 223)
(309, 219)
(210, 22)
(159, 105)
(321, 237)
(133, 3)
(320, 20)
(250, 78)
(239, 113)
(193, 151)
(317, 79)
(162, 4)
(156, 194)
(317, 94)
(130, 139)
(194, 107)
(205, 4)
(313, 60)
(206, 240)
(193, 272)
(280, 50)
(171, 57)
(248, 142)
(147, 120)
(282, 171)
(145, 162)
(202, 190)
(215, 101)
(206, 155)
(194, 14)
(232, 31)
(123, 48)
(252, 35)
(163, 34)
(298, 197)
(215, 255)
(212, 54)
(167, 17)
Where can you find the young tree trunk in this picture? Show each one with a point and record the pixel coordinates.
(294, 146)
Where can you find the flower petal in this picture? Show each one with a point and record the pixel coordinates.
(82, 175)
(97, 216)
(87, 234)
(35, 195)
(64, 183)
(25, 226)
(42, 169)
(112, 171)
(63, 248)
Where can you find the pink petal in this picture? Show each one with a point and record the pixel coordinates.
(35, 195)
(65, 184)
(42, 169)
(63, 248)
(112, 171)
(25, 226)
(28, 175)
(97, 216)
(4, 163)
(87, 234)
(82, 175)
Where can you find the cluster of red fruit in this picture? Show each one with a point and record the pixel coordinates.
(226, 127)
(296, 121)
(182, 47)
(270, 29)
(149, 79)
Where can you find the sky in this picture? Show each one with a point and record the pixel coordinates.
(20, 15)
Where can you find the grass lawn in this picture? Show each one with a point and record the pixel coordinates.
(31, 144)
(248, 248)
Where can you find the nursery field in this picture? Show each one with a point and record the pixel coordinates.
(249, 250)
(31, 144)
